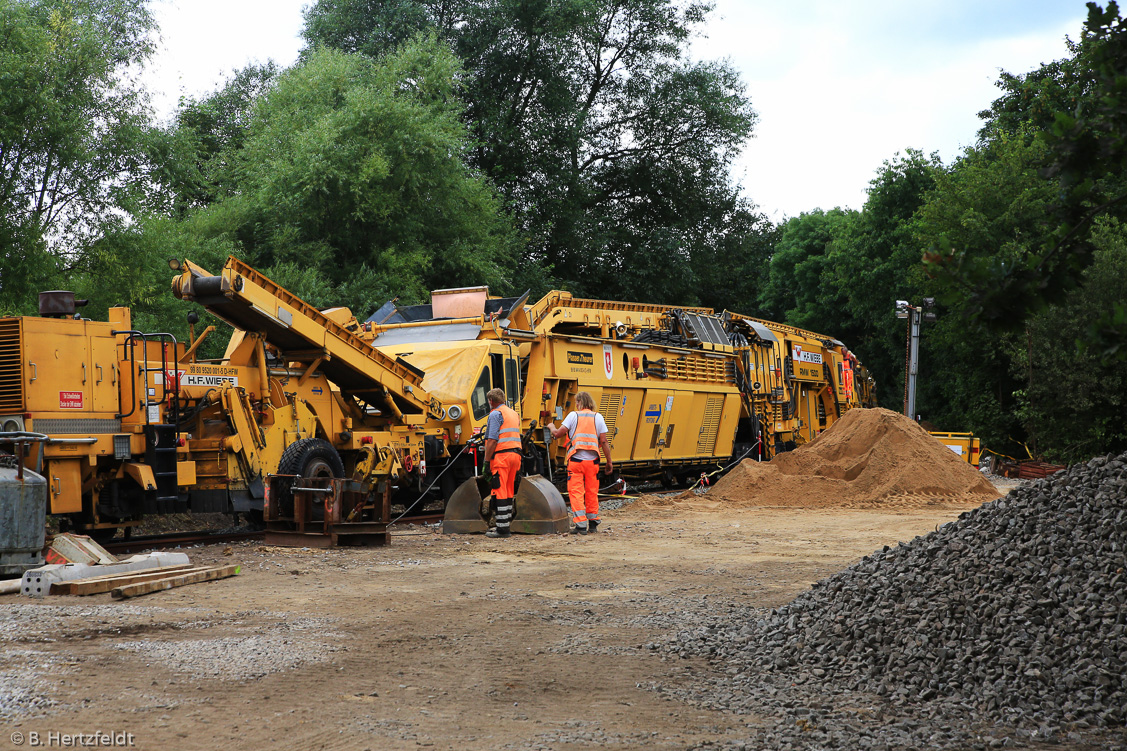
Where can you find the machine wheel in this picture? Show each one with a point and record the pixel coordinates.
(311, 457)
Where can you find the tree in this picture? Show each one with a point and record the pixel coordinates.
(1031, 101)
(73, 130)
(1072, 402)
(841, 272)
(351, 170)
(730, 268)
(801, 288)
(1077, 108)
(610, 146)
(195, 158)
(994, 203)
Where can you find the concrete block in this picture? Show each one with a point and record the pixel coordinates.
(37, 582)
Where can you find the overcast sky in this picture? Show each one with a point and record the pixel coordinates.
(839, 85)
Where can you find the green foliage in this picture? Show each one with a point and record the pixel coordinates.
(348, 177)
(73, 129)
(730, 268)
(802, 288)
(129, 267)
(611, 147)
(195, 157)
(1032, 100)
(1077, 108)
(1073, 402)
(995, 205)
(841, 272)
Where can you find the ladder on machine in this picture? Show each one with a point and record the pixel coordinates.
(160, 437)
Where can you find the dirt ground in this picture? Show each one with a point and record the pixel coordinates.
(447, 642)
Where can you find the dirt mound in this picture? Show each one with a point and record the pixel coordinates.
(870, 457)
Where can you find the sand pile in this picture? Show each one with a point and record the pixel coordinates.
(870, 457)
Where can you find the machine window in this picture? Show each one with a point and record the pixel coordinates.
(478, 401)
(512, 391)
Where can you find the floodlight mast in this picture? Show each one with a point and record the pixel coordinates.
(915, 315)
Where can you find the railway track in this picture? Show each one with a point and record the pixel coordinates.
(184, 539)
(418, 519)
(179, 539)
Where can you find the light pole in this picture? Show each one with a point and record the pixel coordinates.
(916, 314)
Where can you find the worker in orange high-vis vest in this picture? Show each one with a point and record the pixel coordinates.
(588, 433)
(502, 459)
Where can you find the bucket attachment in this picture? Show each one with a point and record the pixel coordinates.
(463, 510)
(539, 509)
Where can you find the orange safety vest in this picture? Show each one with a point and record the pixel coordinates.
(509, 437)
(585, 436)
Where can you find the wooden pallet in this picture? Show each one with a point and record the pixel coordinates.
(1037, 470)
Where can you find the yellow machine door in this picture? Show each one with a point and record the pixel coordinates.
(103, 374)
(651, 427)
(710, 409)
(678, 416)
(57, 367)
(620, 412)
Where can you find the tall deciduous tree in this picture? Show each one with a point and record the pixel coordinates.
(610, 145)
(841, 272)
(196, 157)
(802, 288)
(73, 127)
(1077, 108)
(1071, 402)
(353, 169)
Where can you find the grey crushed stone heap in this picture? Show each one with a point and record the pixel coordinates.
(1015, 614)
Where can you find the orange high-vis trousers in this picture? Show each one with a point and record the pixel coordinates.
(505, 465)
(583, 490)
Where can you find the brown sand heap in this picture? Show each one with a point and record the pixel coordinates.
(870, 457)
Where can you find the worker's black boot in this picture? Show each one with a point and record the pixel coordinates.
(498, 533)
(579, 530)
(592, 526)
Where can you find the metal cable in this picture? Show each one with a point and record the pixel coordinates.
(426, 490)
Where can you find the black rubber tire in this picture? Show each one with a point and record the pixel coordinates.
(311, 457)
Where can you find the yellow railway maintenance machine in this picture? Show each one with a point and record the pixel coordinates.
(683, 391)
(297, 393)
(136, 425)
(88, 387)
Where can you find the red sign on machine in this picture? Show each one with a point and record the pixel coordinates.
(70, 400)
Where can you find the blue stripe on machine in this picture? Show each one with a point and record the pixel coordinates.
(653, 412)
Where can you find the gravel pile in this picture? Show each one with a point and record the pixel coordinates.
(1015, 615)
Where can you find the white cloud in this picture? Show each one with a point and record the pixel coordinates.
(203, 41)
(839, 87)
(835, 99)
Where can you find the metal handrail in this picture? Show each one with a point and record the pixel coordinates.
(129, 341)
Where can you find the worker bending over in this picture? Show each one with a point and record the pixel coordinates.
(502, 459)
(588, 432)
